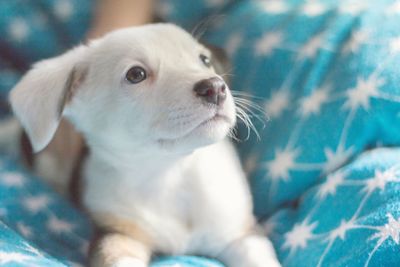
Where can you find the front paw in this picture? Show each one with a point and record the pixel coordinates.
(129, 262)
(254, 259)
(250, 251)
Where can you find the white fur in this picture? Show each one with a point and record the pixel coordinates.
(128, 262)
(158, 157)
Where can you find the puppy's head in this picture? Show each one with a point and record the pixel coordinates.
(153, 86)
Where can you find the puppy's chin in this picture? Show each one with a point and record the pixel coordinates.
(207, 133)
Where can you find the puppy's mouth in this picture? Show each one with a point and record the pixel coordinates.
(214, 121)
(217, 118)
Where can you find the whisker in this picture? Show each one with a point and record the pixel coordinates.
(226, 74)
(243, 119)
(247, 110)
(248, 123)
(253, 108)
(244, 94)
(201, 28)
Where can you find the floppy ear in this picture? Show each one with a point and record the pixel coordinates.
(38, 100)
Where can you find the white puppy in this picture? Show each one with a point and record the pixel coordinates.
(159, 177)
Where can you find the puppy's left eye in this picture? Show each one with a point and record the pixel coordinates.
(136, 75)
(206, 60)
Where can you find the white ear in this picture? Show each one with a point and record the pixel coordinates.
(38, 100)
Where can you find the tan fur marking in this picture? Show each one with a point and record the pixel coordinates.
(64, 149)
(122, 226)
(113, 247)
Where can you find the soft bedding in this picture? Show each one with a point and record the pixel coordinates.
(325, 173)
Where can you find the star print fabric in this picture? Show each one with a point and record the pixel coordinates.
(49, 228)
(352, 218)
(35, 30)
(40, 228)
(326, 77)
(326, 74)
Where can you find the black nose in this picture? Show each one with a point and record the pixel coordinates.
(211, 90)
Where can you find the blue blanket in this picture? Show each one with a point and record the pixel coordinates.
(326, 173)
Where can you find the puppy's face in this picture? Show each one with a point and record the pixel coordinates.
(153, 85)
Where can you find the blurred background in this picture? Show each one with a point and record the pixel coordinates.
(324, 174)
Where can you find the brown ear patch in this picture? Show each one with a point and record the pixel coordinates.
(75, 79)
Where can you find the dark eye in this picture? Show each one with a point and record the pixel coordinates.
(136, 75)
(206, 60)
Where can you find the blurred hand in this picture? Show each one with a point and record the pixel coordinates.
(114, 14)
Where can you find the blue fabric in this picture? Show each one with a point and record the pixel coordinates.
(40, 228)
(351, 219)
(191, 13)
(328, 80)
(46, 223)
(327, 77)
(34, 30)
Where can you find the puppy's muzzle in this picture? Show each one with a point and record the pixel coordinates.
(211, 91)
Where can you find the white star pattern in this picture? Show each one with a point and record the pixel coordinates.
(304, 105)
(332, 182)
(389, 230)
(12, 179)
(274, 6)
(63, 9)
(380, 180)
(357, 39)
(33, 250)
(394, 45)
(340, 232)
(278, 102)
(267, 43)
(313, 9)
(393, 9)
(310, 49)
(18, 29)
(353, 8)
(233, 44)
(283, 162)
(299, 236)
(13, 257)
(312, 104)
(24, 230)
(59, 226)
(251, 163)
(336, 159)
(34, 204)
(360, 95)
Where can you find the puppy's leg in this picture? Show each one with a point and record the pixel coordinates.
(119, 250)
(122, 244)
(252, 250)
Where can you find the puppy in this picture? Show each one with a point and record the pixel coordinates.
(160, 176)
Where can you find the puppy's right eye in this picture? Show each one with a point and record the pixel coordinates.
(136, 75)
